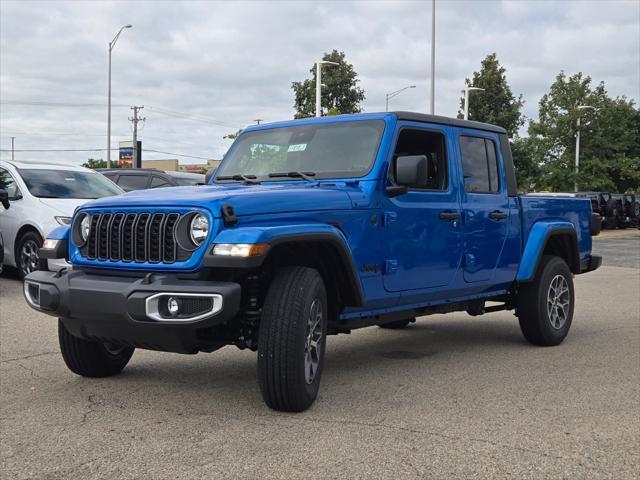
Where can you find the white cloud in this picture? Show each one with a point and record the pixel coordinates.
(235, 61)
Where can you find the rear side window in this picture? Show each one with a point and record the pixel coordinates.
(157, 182)
(133, 182)
(479, 165)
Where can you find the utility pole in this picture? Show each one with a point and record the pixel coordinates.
(135, 121)
(112, 44)
(433, 57)
(12, 150)
(257, 120)
(319, 84)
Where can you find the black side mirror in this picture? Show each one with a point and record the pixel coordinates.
(410, 170)
(4, 198)
(209, 175)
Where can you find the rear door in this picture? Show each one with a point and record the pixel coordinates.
(485, 204)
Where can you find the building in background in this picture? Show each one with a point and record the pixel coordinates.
(173, 165)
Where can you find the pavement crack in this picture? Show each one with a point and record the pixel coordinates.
(8, 360)
(448, 437)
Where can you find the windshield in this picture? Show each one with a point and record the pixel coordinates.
(329, 150)
(68, 184)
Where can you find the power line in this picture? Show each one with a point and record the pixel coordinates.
(176, 154)
(160, 110)
(58, 104)
(41, 150)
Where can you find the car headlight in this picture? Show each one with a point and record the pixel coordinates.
(85, 226)
(199, 229)
(63, 220)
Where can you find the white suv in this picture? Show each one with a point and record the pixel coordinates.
(43, 196)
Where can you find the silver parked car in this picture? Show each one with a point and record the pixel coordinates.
(43, 196)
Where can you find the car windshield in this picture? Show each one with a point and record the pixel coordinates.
(44, 183)
(327, 150)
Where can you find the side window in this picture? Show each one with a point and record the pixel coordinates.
(479, 165)
(430, 144)
(133, 182)
(9, 184)
(158, 182)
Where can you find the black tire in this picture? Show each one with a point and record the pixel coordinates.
(398, 324)
(27, 253)
(284, 340)
(91, 359)
(535, 302)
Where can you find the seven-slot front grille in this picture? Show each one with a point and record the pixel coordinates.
(134, 237)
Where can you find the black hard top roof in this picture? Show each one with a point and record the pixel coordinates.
(455, 122)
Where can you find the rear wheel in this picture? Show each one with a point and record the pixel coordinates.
(291, 341)
(545, 305)
(92, 359)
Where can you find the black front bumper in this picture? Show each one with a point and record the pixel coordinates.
(114, 308)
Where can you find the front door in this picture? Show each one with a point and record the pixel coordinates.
(422, 231)
(485, 205)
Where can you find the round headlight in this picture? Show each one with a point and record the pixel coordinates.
(199, 228)
(85, 226)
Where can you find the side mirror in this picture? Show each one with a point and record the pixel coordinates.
(410, 170)
(4, 198)
(209, 175)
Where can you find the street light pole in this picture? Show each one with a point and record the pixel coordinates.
(466, 99)
(319, 85)
(395, 94)
(580, 107)
(112, 44)
(433, 56)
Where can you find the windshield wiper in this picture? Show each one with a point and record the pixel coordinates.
(304, 175)
(247, 179)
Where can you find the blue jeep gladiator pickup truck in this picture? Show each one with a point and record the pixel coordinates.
(309, 228)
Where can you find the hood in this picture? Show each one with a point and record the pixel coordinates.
(64, 206)
(245, 199)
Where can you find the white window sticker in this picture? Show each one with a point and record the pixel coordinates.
(298, 147)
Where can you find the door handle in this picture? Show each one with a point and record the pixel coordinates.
(449, 216)
(498, 215)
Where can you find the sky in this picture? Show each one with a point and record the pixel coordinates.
(203, 69)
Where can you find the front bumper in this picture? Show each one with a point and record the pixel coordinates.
(120, 309)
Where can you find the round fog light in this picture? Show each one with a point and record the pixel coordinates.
(173, 306)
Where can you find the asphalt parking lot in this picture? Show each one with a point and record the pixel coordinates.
(450, 397)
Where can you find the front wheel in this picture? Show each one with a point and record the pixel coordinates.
(291, 341)
(27, 253)
(545, 306)
(92, 359)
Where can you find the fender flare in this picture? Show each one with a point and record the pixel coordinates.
(539, 236)
(278, 235)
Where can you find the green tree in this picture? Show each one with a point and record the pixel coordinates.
(341, 94)
(609, 137)
(98, 163)
(528, 171)
(496, 105)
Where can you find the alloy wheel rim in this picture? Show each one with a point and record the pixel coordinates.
(558, 302)
(29, 257)
(313, 341)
